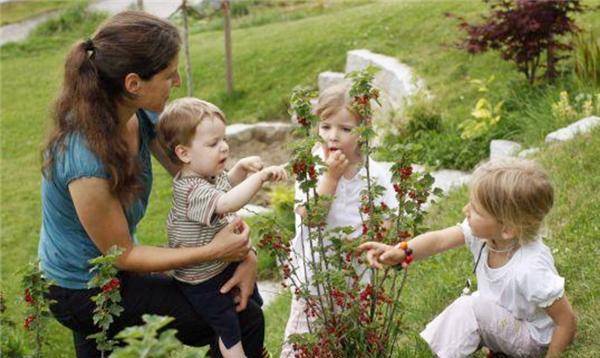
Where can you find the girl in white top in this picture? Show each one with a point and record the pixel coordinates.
(342, 179)
(520, 307)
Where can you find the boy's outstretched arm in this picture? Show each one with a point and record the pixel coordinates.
(241, 194)
(565, 326)
(243, 167)
(422, 246)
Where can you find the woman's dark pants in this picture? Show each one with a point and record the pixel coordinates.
(150, 294)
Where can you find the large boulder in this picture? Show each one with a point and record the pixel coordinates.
(582, 126)
(503, 148)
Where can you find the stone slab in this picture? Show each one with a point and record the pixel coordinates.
(503, 148)
(584, 125)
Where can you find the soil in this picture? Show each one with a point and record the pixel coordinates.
(273, 153)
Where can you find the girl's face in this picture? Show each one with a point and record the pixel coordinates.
(337, 133)
(482, 224)
(155, 92)
(208, 151)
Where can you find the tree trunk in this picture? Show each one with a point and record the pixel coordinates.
(186, 49)
(228, 59)
(550, 61)
(140, 5)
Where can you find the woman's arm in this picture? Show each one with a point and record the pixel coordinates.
(159, 153)
(104, 221)
(422, 246)
(565, 326)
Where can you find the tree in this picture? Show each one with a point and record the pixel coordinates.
(523, 31)
(185, 11)
(225, 7)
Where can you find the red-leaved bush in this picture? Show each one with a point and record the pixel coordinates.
(524, 32)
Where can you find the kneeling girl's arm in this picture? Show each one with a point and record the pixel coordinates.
(565, 326)
(422, 246)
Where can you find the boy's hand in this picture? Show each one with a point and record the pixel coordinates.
(336, 162)
(251, 164)
(273, 173)
(378, 254)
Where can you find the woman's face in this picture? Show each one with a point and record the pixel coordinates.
(155, 92)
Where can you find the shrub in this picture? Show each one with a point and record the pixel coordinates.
(485, 115)
(423, 115)
(279, 221)
(523, 31)
(353, 310)
(145, 341)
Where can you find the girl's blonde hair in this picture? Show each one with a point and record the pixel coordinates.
(516, 192)
(178, 122)
(333, 100)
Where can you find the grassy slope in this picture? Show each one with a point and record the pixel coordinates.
(269, 61)
(15, 11)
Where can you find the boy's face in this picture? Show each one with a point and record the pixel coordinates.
(208, 151)
(337, 134)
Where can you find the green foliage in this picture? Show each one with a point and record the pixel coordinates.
(583, 105)
(145, 340)
(586, 57)
(108, 299)
(422, 115)
(12, 342)
(279, 221)
(484, 116)
(37, 311)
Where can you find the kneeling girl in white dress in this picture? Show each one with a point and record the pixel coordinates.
(520, 307)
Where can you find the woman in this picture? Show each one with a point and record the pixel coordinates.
(97, 178)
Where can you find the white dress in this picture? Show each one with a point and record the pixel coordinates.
(507, 313)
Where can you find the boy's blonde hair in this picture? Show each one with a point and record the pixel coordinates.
(333, 100)
(177, 123)
(516, 192)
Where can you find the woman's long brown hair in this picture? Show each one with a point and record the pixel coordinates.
(129, 42)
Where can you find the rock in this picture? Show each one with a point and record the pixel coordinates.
(503, 148)
(239, 132)
(271, 131)
(447, 179)
(251, 210)
(395, 80)
(582, 126)
(528, 152)
(328, 79)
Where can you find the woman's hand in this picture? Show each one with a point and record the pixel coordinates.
(244, 278)
(232, 243)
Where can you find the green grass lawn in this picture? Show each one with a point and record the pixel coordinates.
(271, 59)
(15, 11)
